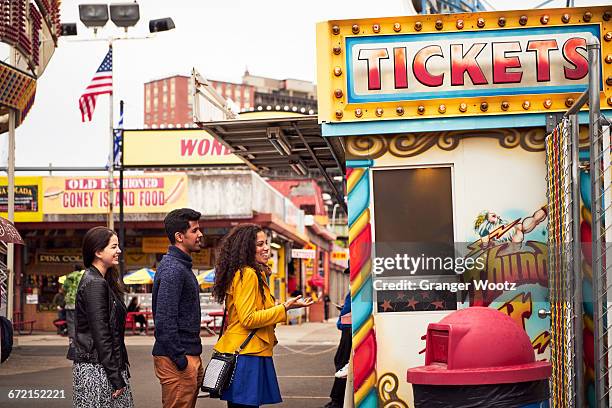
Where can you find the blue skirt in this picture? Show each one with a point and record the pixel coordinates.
(254, 382)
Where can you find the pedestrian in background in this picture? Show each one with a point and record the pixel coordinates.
(100, 370)
(59, 302)
(343, 355)
(71, 285)
(177, 315)
(241, 275)
(134, 306)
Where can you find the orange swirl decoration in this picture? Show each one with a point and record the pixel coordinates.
(360, 245)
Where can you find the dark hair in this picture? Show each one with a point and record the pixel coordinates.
(96, 239)
(237, 251)
(178, 221)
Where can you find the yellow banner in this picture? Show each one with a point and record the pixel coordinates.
(155, 245)
(150, 193)
(178, 147)
(28, 199)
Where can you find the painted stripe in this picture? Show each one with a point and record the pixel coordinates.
(358, 198)
(362, 304)
(363, 331)
(359, 225)
(359, 280)
(364, 390)
(353, 178)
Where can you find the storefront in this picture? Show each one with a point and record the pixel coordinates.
(444, 119)
(72, 205)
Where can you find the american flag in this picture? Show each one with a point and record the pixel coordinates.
(102, 83)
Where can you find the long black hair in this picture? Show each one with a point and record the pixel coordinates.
(96, 239)
(237, 251)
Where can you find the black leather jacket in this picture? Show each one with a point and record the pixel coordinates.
(100, 327)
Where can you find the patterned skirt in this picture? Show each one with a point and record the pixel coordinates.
(91, 388)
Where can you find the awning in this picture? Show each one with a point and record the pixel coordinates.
(286, 144)
(142, 276)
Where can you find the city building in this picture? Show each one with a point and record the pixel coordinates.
(168, 102)
(283, 94)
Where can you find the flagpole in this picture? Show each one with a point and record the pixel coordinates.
(121, 215)
(111, 164)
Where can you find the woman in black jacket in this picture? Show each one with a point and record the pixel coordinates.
(100, 370)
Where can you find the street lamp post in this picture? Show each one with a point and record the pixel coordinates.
(124, 15)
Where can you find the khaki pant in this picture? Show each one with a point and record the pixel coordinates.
(179, 388)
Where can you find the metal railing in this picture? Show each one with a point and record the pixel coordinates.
(577, 258)
(563, 255)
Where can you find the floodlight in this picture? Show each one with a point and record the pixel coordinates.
(69, 29)
(93, 15)
(125, 14)
(161, 24)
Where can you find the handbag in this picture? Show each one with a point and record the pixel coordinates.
(220, 370)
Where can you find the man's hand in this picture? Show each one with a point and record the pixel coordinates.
(297, 302)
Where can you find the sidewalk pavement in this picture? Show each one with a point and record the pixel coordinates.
(305, 334)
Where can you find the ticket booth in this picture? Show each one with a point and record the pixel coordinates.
(444, 119)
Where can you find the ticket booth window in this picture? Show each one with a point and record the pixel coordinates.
(414, 205)
(413, 214)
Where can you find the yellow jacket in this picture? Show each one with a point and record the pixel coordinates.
(246, 310)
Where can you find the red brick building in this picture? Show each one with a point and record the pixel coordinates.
(168, 102)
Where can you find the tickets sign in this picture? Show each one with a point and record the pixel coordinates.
(154, 193)
(178, 147)
(438, 66)
(425, 66)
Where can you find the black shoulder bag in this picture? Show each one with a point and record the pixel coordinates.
(220, 370)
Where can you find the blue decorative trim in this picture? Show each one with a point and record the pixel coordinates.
(441, 124)
(360, 163)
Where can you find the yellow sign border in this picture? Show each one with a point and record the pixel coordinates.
(331, 63)
(27, 216)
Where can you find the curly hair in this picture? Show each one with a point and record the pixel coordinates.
(237, 251)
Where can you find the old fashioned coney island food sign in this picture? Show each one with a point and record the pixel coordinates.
(460, 64)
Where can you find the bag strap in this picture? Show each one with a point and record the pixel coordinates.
(245, 342)
(223, 322)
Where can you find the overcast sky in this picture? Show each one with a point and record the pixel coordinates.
(274, 38)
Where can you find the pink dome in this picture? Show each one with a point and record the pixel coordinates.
(478, 345)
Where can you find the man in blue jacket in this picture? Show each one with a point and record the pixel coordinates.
(177, 315)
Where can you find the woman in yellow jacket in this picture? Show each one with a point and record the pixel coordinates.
(241, 275)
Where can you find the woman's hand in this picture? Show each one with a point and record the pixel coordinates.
(117, 393)
(297, 302)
